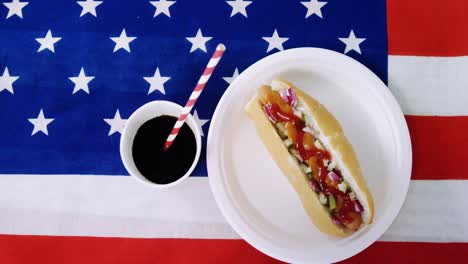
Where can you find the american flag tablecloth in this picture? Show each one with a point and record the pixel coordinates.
(72, 72)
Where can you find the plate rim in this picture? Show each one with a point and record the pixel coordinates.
(399, 126)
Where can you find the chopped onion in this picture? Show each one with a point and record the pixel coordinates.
(296, 154)
(343, 186)
(273, 120)
(281, 130)
(331, 165)
(314, 185)
(301, 108)
(284, 95)
(335, 220)
(333, 176)
(281, 127)
(323, 199)
(306, 169)
(308, 130)
(270, 113)
(298, 113)
(318, 144)
(288, 96)
(358, 207)
(292, 97)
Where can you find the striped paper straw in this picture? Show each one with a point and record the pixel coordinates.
(195, 94)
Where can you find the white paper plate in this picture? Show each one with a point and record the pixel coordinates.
(251, 191)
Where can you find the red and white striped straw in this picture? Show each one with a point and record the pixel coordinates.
(196, 93)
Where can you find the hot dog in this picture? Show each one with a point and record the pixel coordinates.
(309, 146)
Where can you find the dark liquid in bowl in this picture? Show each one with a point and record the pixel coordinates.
(157, 165)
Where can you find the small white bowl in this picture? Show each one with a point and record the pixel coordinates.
(136, 120)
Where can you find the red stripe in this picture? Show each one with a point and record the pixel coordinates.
(167, 144)
(440, 147)
(182, 117)
(78, 250)
(217, 54)
(412, 252)
(191, 102)
(71, 250)
(175, 130)
(208, 70)
(199, 87)
(427, 27)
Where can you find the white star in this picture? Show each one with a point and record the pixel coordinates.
(40, 123)
(123, 41)
(15, 7)
(6, 81)
(199, 41)
(314, 7)
(352, 43)
(89, 6)
(239, 7)
(116, 124)
(200, 122)
(162, 7)
(234, 76)
(47, 42)
(275, 41)
(157, 82)
(81, 82)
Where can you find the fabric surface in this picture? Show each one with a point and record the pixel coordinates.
(72, 72)
(78, 140)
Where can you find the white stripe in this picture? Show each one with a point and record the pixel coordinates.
(171, 137)
(430, 85)
(434, 211)
(204, 79)
(195, 94)
(179, 123)
(121, 207)
(108, 206)
(213, 62)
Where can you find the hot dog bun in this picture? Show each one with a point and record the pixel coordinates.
(333, 138)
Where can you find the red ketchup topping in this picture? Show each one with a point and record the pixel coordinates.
(323, 175)
(348, 205)
(299, 146)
